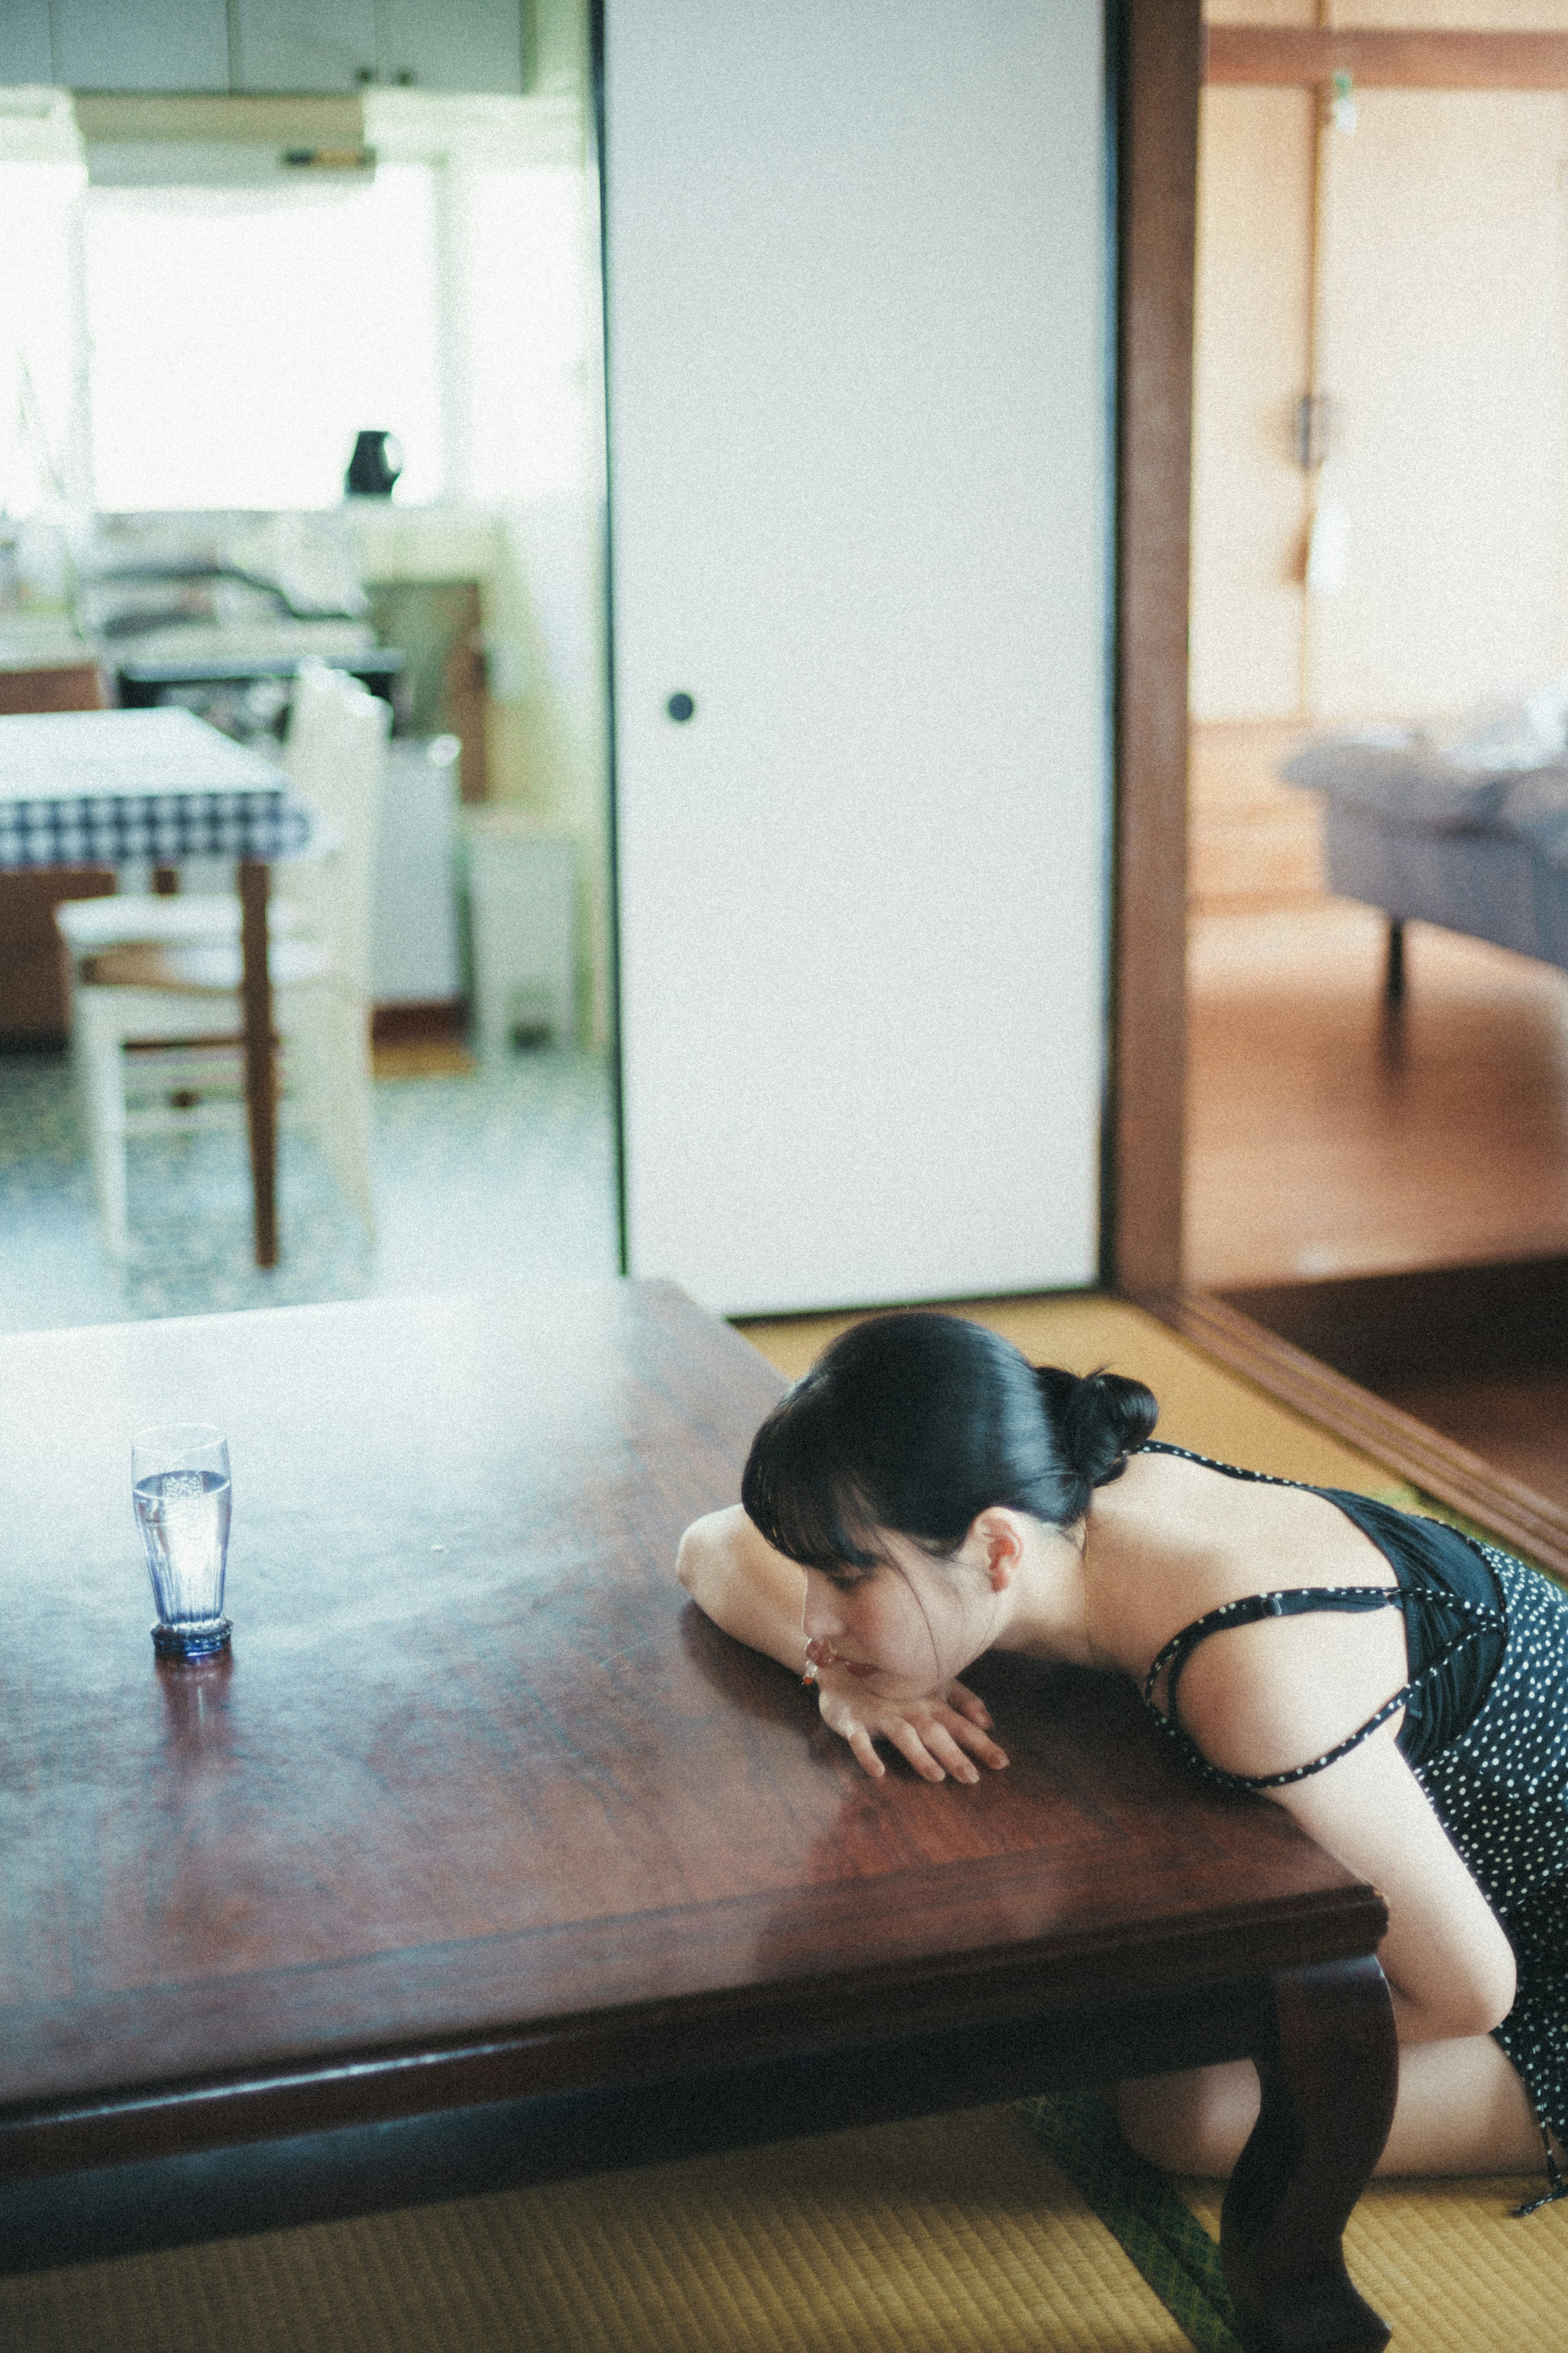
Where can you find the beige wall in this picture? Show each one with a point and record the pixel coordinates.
(1443, 339)
(1390, 16)
(1250, 362)
(1446, 347)
(1261, 12)
(1450, 16)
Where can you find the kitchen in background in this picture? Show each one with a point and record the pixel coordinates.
(213, 298)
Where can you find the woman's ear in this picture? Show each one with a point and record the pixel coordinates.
(999, 1533)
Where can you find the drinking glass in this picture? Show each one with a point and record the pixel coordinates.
(180, 1486)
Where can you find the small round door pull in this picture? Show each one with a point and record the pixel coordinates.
(680, 708)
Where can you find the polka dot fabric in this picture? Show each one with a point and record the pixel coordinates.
(1501, 1791)
(1500, 1787)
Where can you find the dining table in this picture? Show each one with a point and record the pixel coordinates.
(126, 789)
(483, 1857)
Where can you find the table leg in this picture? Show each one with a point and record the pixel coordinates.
(260, 1074)
(1329, 2069)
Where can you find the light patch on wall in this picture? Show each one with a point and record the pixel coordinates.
(529, 355)
(240, 339)
(38, 341)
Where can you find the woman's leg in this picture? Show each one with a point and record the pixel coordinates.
(1461, 2109)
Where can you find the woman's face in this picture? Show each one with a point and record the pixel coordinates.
(906, 1627)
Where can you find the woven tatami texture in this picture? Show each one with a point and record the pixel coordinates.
(950, 2235)
(1448, 2268)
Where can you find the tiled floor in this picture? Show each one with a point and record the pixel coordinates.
(506, 1174)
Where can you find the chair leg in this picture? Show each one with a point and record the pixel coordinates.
(101, 1080)
(1394, 971)
(330, 1063)
(352, 1112)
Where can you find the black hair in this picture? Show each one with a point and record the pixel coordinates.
(917, 1423)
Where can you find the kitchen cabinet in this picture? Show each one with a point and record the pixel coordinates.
(25, 55)
(465, 45)
(293, 44)
(263, 46)
(161, 44)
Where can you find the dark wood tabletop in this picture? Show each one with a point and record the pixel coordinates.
(481, 1810)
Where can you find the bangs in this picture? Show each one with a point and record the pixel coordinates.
(799, 1499)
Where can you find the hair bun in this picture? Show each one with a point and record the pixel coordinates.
(1102, 1419)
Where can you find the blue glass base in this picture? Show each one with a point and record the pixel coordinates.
(200, 1641)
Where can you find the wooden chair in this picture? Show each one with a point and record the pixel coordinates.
(90, 927)
(150, 1019)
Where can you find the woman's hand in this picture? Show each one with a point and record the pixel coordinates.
(756, 1595)
(933, 1732)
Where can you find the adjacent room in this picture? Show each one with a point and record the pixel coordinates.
(1378, 1148)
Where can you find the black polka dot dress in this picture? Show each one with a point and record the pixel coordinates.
(1495, 1766)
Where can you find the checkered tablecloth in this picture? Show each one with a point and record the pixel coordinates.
(127, 787)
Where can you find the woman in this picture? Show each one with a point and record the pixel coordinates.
(925, 1494)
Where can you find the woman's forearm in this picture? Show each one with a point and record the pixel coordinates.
(745, 1585)
(759, 1597)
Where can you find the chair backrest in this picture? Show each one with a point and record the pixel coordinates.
(336, 755)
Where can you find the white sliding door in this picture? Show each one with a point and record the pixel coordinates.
(858, 480)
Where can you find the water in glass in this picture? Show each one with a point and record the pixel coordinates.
(184, 1518)
(180, 1488)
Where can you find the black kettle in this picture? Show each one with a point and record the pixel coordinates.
(376, 464)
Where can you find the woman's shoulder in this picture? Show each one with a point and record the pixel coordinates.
(1173, 1502)
(1166, 1451)
(1171, 1543)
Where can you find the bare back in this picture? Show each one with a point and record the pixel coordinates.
(1171, 1540)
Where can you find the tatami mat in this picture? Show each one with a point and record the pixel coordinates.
(952, 2235)
(1449, 2266)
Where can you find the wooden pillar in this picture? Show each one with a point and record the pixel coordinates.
(261, 1069)
(1159, 67)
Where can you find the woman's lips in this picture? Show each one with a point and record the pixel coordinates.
(822, 1653)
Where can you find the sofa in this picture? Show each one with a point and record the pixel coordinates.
(1465, 827)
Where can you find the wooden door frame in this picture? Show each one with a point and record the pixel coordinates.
(1156, 53)
(1155, 61)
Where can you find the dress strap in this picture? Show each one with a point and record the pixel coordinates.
(1556, 2187)
(1294, 1601)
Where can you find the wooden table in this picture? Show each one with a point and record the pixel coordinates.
(485, 1856)
(120, 788)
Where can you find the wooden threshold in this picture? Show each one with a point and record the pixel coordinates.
(1501, 1319)
(426, 1018)
(1515, 1514)
(1279, 55)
